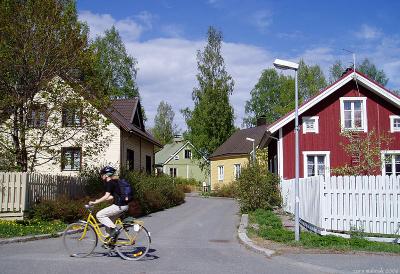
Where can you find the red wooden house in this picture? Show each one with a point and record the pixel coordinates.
(353, 102)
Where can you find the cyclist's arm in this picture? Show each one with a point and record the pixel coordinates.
(106, 197)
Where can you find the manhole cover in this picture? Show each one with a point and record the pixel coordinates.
(219, 241)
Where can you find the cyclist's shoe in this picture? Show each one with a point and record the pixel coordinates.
(114, 233)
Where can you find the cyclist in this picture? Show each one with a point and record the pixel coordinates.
(108, 215)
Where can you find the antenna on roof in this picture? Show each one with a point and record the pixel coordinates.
(354, 58)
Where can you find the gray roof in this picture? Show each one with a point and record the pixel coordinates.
(237, 143)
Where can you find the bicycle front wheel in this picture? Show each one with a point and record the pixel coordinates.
(79, 239)
(133, 242)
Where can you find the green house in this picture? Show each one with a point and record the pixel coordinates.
(176, 160)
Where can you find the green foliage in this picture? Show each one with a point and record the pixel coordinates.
(29, 227)
(115, 67)
(225, 190)
(364, 150)
(257, 188)
(274, 94)
(41, 41)
(164, 127)
(366, 67)
(271, 228)
(211, 122)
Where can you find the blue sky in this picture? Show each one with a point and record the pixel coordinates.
(164, 36)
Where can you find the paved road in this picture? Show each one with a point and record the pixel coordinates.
(196, 237)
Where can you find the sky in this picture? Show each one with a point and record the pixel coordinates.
(165, 35)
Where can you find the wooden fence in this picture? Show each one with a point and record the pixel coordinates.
(370, 203)
(19, 191)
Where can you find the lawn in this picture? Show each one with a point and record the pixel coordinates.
(270, 227)
(30, 227)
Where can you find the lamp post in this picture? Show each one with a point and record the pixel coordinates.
(282, 64)
(254, 152)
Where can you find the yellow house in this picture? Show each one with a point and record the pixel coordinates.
(228, 159)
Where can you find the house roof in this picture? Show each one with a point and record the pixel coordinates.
(121, 113)
(237, 143)
(169, 150)
(351, 75)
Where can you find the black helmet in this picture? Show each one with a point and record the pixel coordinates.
(107, 170)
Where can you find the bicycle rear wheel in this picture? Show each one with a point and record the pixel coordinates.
(79, 239)
(133, 242)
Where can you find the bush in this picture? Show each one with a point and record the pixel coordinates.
(225, 190)
(257, 188)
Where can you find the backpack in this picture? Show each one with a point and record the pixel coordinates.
(126, 191)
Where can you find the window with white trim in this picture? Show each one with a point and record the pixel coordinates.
(353, 113)
(394, 123)
(172, 172)
(310, 124)
(391, 165)
(220, 173)
(236, 171)
(316, 163)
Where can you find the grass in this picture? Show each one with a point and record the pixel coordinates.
(29, 227)
(271, 228)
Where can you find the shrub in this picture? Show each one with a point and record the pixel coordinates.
(225, 190)
(257, 188)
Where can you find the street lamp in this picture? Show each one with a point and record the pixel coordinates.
(254, 152)
(282, 64)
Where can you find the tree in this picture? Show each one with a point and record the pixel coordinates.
(273, 95)
(366, 67)
(211, 122)
(44, 51)
(164, 127)
(364, 150)
(311, 79)
(116, 68)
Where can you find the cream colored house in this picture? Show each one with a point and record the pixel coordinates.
(117, 137)
(228, 160)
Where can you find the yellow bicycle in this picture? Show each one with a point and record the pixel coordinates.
(132, 242)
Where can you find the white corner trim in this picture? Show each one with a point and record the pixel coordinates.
(280, 154)
(316, 124)
(327, 155)
(364, 110)
(392, 128)
(383, 153)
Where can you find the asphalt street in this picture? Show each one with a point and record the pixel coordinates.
(199, 236)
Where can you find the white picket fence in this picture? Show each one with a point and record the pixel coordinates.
(20, 190)
(370, 203)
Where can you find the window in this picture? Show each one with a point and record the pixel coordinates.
(391, 165)
(148, 165)
(394, 123)
(316, 163)
(353, 113)
(71, 158)
(71, 117)
(130, 159)
(310, 124)
(172, 172)
(37, 116)
(188, 154)
(176, 157)
(220, 173)
(236, 171)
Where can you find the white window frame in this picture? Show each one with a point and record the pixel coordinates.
(364, 121)
(176, 157)
(388, 152)
(327, 155)
(236, 174)
(316, 124)
(220, 173)
(392, 128)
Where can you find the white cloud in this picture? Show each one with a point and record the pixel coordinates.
(368, 32)
(262, 19)
(173, 30)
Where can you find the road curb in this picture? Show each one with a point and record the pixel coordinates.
(30, 238)
(245, 240)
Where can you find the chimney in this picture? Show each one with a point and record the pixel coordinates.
(262, 120)
(178, 138)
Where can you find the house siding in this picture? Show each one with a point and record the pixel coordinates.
(328, 138)
(228, 164)
(141, 148)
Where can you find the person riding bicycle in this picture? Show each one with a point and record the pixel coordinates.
(108, 215)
